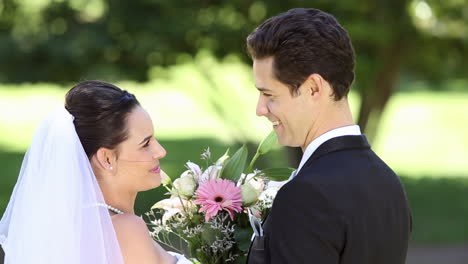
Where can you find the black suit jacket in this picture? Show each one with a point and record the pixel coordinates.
(344, 206)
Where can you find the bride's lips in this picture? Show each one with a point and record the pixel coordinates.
(156, 169)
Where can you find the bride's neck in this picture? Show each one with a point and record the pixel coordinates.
(123, 200)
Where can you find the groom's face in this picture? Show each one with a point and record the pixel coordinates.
(289, 114)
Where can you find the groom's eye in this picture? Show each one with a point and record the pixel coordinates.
(267, 94)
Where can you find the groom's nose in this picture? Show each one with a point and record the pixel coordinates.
(262, 108)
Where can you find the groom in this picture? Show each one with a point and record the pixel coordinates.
(343, 204)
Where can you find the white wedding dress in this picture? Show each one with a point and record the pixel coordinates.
(52, 216)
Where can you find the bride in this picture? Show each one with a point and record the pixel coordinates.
(74, 198)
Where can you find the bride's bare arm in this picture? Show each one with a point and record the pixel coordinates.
(135, 242)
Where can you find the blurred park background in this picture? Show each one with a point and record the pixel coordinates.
(186, 62)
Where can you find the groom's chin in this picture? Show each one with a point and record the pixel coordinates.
(284, 142)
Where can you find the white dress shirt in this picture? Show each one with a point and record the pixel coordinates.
(352, 130)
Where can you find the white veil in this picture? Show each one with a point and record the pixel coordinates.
(52, 216)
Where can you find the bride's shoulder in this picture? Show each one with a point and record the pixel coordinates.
(129, 222)
(135, 242)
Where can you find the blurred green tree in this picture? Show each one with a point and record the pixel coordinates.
(69, 40)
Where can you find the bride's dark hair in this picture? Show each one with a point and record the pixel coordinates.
(100, 110)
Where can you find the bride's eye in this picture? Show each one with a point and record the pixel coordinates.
(146, 144)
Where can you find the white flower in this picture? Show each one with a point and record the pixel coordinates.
(249, 194)
(251, 189)
(173, 206)
(256, 211)
(194, 168)
(185, 185)
(211, 173)
(258, 185)
(165, 179)
(222, 159)
(269, 194)
(206, 155)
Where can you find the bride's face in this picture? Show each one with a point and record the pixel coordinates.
(137, 162)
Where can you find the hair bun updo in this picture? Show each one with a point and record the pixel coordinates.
(100, 110)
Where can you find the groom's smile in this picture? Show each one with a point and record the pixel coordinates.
(290, 114)
(276, 123)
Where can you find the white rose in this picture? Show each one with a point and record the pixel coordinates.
(185, 185)
(258, 185)
(249, 194)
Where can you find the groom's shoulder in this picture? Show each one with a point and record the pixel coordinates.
(300, 187)
(337, 167)
(342, 172)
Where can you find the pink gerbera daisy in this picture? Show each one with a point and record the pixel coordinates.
(217, 195)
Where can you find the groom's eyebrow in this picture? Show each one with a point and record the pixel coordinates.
(146, 139)
(261, 89)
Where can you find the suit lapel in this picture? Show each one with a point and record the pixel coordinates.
(332, 145)
(337, 144)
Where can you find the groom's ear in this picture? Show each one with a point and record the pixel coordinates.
(106, 159)
(317, 87)
(312, 86)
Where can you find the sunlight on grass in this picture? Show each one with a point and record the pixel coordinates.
(175, 114)
(203, 98)
(425, 133)
(421, 134)
(22, 108)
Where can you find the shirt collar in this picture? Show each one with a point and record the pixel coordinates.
(352, 130)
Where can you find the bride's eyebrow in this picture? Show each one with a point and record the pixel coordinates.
(146, 139)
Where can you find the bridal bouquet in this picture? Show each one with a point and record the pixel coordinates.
(212, 212)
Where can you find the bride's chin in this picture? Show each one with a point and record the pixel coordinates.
(149, 187)
(155, 182)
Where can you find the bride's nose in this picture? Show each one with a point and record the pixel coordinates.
(159, 151)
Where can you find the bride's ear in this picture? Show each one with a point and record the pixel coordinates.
(105, 159)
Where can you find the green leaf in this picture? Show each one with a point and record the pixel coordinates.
(265, 146)
(277, 174)
(209, 234)
(241, 260)
(236, 165)
(267, 143)
(242, 237)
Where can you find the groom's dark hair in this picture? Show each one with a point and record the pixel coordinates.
(100, 112)
(302, 42)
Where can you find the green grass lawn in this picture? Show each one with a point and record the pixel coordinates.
(439, 205)
(423, 135)
(440, 209)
